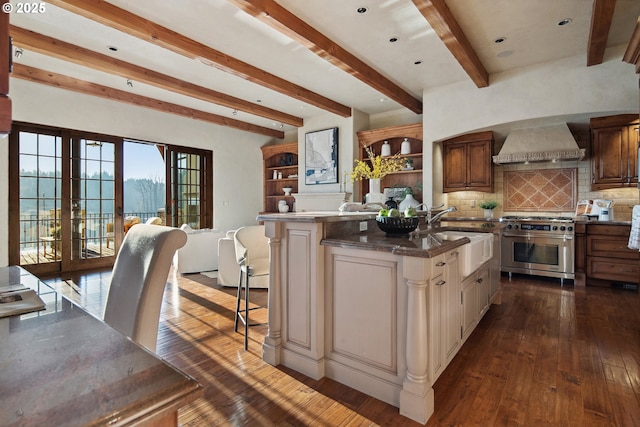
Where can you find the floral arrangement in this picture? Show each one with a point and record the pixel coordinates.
(376, 166)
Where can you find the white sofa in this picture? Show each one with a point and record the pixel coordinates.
(228, 268)
(200, 253)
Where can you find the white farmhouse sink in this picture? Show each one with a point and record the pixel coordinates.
(470, 255)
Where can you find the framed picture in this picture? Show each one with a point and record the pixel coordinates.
(321, 157)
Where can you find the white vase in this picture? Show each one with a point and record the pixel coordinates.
(488, 213)
(408, 202)
(386, 149)
(405, 147)
(374, 194)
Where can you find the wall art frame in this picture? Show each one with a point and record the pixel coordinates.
(321, 157)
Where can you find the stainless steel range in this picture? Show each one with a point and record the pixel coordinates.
(542, 246)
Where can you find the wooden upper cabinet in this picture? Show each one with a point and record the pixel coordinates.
(614, 151)
(5, 54)
(467, 164)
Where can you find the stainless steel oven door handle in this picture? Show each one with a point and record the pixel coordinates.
(534, 236)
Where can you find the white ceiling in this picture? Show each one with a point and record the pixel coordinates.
(529, 26)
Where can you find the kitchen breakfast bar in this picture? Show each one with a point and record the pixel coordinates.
(384, 315)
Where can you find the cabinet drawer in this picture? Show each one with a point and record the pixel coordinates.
(614, 269)
(610, 247)
(437, 265)
(608, 229)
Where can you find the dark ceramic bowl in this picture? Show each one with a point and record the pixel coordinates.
(397, 226)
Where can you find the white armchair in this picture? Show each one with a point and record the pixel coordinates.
(200, 253)
(228, 267)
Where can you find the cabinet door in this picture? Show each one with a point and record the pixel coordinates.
(479, 169)
(436, 310)
(451, 316)
(469, 305)
(482, 285)
(454, 167)
(609, 157)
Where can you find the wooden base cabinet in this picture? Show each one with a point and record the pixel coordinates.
(609, 260)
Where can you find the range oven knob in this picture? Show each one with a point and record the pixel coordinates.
(516, 226)
(554, 228)
(562, 228)
(570, 228)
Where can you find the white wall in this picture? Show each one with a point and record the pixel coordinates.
(236, 154)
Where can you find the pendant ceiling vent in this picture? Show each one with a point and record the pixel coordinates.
(541, 144)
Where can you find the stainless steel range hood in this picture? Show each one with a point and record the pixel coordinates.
(539, 144)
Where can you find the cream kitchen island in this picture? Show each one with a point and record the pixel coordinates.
(381, 314)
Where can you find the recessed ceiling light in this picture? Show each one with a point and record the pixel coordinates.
(393, 39)
(418, 62)
(504, 53)
(564, 22)
(112, 48)
(362, 10)
(500, 40)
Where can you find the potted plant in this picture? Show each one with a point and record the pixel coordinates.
(408, 164)
(488, 206)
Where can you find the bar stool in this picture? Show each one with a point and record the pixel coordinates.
(252, 254)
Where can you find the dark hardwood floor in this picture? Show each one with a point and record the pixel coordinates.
(546, 356)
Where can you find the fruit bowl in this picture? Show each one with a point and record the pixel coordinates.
(397, 226)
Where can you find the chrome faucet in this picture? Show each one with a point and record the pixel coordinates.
(437, 216)
(428, 209)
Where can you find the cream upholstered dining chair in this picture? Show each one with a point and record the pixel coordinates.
(138, 281)
(252, 254)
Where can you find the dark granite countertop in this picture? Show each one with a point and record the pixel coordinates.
(426, 245)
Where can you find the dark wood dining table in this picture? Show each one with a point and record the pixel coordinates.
(64, 367)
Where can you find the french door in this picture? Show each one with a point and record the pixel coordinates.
(66, 199)
(190, 187)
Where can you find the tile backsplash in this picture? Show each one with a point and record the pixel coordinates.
(467, 201)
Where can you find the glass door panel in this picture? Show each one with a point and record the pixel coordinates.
(188, 188)
(93, 199)
(40, 183)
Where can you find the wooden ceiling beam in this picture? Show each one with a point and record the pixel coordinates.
(445, 25)
(136, 26)
(601, 17)
(276, 16)
(59, 49)
(37, 75)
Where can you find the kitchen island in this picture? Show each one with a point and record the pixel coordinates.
(381, 314)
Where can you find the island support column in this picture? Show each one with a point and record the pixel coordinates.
(416, 396)
(272, 346)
